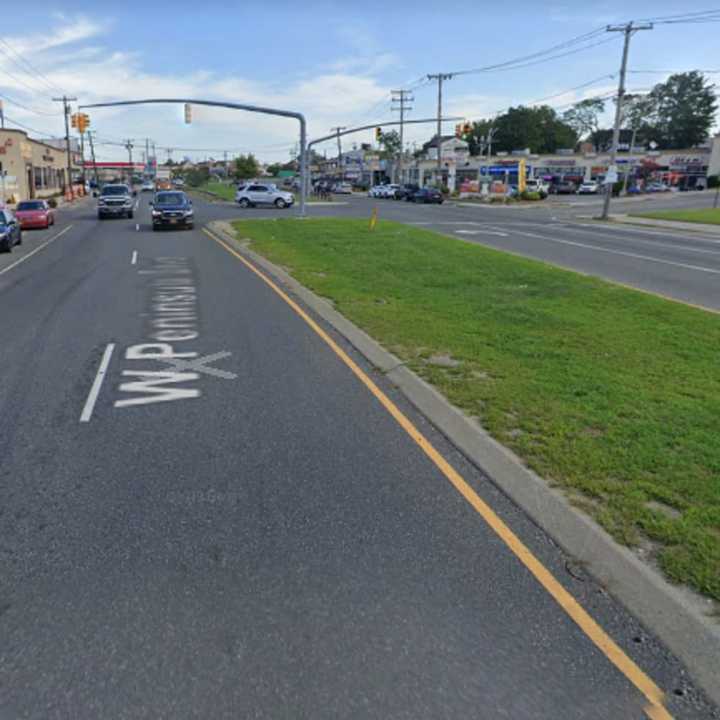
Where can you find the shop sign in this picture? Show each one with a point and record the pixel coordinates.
(26, 150)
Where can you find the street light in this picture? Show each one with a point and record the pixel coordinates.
(234, 106)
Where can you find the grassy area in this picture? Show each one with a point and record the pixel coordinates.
(613, 395)
(708, 216)
(227, 192)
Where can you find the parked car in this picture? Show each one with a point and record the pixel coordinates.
(537, 185)
(172, 208)
(564, 187)
(10, 231)
(656, 186)
(343, 188)
(376, 190)
(427, 195)
(256, 194)
(404, 190)
(588, 188)
(388, 191)
(115, 200)
(34, 214)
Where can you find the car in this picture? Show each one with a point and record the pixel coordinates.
(147, 186)
(34, 214)
(178, 182)
(427, 195)
(563, 187)
(263, 194)
(656, 186)
(10, 231)
(375, 190)
(537, 185)
(115, 201)
(343, 188)
(404, 190)
(172, 208)
(388, 191)
(589, 187)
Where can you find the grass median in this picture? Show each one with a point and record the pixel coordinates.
(223, 190)
(611, 394)
(706, 216)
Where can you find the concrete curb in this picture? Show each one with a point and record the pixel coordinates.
(625, 219)
(679, 617)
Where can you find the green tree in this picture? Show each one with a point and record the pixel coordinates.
(274, 169)
(197, 176)
(389, 145)
(246, 166)
(477, 138)
(584, 116)
(684, 108)
(537, 128)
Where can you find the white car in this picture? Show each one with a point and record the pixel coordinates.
(148, 186)
(376, 191)
(254, 194)
(388, 191)
(588, 188)
(537, 185)
(343, 188)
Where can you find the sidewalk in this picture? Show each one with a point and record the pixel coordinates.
(672, 224)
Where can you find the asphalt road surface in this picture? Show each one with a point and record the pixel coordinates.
(677, 264)
(205, 514)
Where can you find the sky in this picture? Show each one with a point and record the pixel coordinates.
(335, 62)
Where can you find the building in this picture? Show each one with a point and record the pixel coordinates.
(113, 171)
(31, 168)
(685, 169)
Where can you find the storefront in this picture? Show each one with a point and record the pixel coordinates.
(30, 168)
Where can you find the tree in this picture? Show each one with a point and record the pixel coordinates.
(246, 166)
(584, 116)
(537, 128)
(274, 169)
(684, 109)
(477, 137)
(389, 145)
(197, 176)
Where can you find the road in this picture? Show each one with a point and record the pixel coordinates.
(677, 264)
(207, 513)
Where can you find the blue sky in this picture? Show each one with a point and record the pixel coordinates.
(336, 62)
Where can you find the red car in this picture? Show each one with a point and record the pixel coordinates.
(34, 214)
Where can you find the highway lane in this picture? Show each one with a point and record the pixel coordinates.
(677, 264)
(266, 541)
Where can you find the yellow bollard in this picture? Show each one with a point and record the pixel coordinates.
(373, 219)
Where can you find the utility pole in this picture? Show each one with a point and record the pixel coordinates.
(2, 116)
(402, 97)
(129, 146)
(82, 156)
(92, 154)
(439, 77)
(66, 111)
(628, 30)
(338, 130)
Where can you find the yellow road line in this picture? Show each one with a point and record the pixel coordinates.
(655, 710)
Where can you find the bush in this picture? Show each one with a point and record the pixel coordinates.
(713, 181)
(528, 195)
(52, 202)
(616, 188)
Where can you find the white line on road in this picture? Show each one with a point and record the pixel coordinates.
(137, 227)
(137, 203)
(37, 249)
(483, 232)
(133, 260)
(97, 384)
(620, 252)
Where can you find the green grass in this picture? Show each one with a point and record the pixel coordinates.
(611, 394)
(227, 192)
(708, 216)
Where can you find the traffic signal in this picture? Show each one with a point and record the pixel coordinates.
(188, 113)
(378, 133)
(74, 120)
(82, 122)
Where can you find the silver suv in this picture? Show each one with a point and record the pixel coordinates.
(252, 194)
(115, 201)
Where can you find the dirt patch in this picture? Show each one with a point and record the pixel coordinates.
(443, 360)
(661, 507)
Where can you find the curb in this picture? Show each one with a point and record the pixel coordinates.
(625, 219)
(677, 616)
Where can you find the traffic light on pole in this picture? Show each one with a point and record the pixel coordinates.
(74, 120)
(378, 133)
(188, 113)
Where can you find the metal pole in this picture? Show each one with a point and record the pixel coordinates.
(92, 154)
(66, 111)
(627, 169)
(337, 131)
(403, 97)
(628, 31)
(129, 147)
(717, 195)
(303, 166)
(82, 156)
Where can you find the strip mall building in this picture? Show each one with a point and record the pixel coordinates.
(32, 168)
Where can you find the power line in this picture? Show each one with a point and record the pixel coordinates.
(24, 63)
(27, 107)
